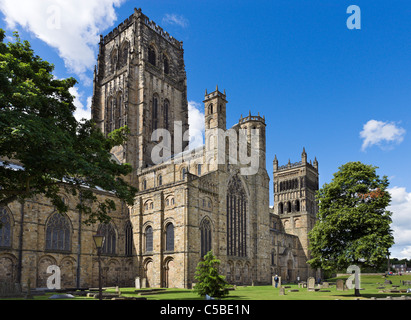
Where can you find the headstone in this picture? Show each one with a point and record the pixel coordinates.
(310, 284)
(340, 285)
(138, 283)
(143, 283)
(282, 291)
(325, 285)
(387, 282)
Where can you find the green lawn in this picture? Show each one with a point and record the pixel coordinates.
(368, 283)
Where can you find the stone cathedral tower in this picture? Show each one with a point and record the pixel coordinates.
(295, 186)
(140, 81)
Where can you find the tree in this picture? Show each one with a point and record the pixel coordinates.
(353, 225)
(38, 130)
(210, 282)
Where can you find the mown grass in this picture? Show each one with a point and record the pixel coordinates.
(369, 284)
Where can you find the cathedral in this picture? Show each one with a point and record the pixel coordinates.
(189, 201)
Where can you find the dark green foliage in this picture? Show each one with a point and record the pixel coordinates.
(353, 226)
(209, 281)
(38, 129)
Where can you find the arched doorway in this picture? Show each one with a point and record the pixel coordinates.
(170, 280)
(149, 273)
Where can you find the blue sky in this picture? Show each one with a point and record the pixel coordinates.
(318, 83)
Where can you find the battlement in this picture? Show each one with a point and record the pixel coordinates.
(156, 28)
(290, 165)
(119, 29)
(149, 23)
(252, 118)
(209, 96)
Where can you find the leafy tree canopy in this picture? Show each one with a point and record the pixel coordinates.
(353, 225)
(55, 152)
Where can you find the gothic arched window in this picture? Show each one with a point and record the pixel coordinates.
(109, 246)
(166, 65)
(166, 117)
(236, 218)
(273, 258)
(280, 208)
(113, 60)
(129, 239)
(210, 109)
(152, 55)
(170, 237)
(149, 239)
(205, 234)
(58, 233)
(289, 208)
(155, 113)
(123, 55)
(297, 205)
(118, 114)
(5, 228)
(110, 115)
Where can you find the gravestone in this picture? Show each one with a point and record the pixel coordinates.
(340, 285)
(282, 291)
(310, 284)
(325, 285)
(138, 283)
(143, 283)
(387, 282)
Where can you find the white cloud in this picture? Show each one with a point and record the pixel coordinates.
(378, 132)
(72, 27)
(401, 209)
(197, 125)
(406, 253)
(82, 112)
(174, 19)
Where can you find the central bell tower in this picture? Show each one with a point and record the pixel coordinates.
(140, 81)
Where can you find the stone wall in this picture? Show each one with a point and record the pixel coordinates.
(28, 256)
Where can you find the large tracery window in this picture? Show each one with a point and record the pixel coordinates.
(236, 219)
(123, 55)
(5, 228)
(58, 233)
(205, 230)
(109, 246)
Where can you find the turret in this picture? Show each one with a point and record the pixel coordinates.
(215, 109)
(304, 156)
